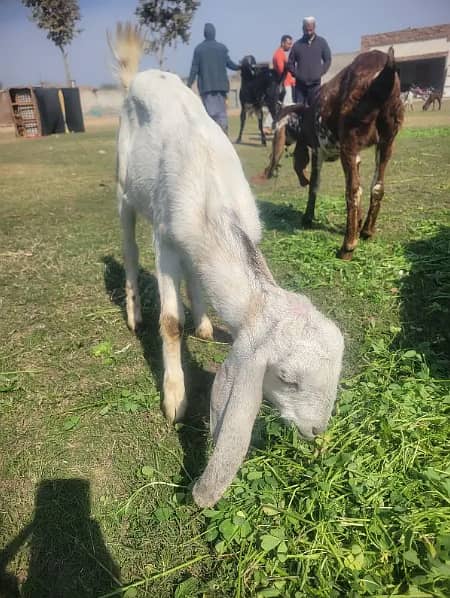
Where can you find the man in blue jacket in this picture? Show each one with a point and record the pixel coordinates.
(209, 66)
(310, 58)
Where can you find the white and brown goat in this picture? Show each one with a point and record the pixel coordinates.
(358, 108)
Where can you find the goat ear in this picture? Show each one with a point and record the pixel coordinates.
(235, 401)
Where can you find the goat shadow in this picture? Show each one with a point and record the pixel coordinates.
(68, 556)
(193, 434)
(286, 218)
(425, 301)
(255, 143)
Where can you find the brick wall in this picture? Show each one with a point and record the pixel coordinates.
(405, 35)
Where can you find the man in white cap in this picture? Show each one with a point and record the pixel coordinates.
(310, 58)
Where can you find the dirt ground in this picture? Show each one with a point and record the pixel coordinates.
(415, 118)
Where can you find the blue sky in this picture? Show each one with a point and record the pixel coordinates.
(245, 26)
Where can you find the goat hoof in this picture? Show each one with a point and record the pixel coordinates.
(175, 402)
(304, 182)
(135, 325)
(264, 143)
(366, 234)
(259, 178)
(307, 221)
(238, 140)
(174, 413)
(204, 330)
(139, 329)
(345, 254)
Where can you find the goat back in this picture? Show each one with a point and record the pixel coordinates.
(363, 87)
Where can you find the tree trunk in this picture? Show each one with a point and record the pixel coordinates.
(66, 67)
(161, 56)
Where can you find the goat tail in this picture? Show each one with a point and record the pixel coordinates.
(382, 84)
(127, 46)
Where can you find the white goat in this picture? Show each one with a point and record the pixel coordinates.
(178, 169)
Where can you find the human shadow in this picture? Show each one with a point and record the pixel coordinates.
(198, 381)
(425, 301)
(68, 556)
(286, 218)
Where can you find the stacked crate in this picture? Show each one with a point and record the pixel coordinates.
(25, 112)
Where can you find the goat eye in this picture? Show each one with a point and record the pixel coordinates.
(292, 385)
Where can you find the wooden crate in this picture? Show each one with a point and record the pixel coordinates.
(25, 112)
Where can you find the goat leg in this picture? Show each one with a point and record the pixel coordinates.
(131, 262)
(353, 198)
(301, 161)
(261, 128)
(360, 216)
(203, 326)
(278, 145)
(169, 273)
(383, 154)
(241, 130)
(316, 167)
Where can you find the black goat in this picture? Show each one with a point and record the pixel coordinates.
(260, 86)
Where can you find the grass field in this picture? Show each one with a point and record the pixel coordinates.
(95, 485)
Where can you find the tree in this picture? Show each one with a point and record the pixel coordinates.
(59, 18)
(167, 21)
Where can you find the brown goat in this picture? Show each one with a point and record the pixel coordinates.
(435, 96)
(358, 108)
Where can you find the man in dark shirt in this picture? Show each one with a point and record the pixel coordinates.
(209, 66)
(310, 58)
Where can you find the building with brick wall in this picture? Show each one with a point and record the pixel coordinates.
(422, 54)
